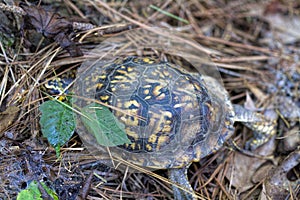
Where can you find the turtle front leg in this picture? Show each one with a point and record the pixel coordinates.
(263, 128)
(179, 176)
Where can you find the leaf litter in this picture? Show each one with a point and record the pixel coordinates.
(258, 53)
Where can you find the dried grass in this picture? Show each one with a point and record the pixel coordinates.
(236, 36)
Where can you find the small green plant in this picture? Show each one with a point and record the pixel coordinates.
(58, 124)
(32, 192)
(106, 128)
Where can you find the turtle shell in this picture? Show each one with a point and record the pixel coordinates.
(171, 116)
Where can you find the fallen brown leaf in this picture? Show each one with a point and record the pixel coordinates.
(7, 117)
(52, 26)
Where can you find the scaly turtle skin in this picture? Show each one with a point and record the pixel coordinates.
(171, 116)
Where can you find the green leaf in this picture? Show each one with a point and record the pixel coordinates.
(106, 128)
(49, 191)
(33, 193)
(169, 14)
(57, 123)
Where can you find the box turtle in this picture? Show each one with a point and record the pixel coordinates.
(172, 117)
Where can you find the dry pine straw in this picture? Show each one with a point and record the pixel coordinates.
(231, 34)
